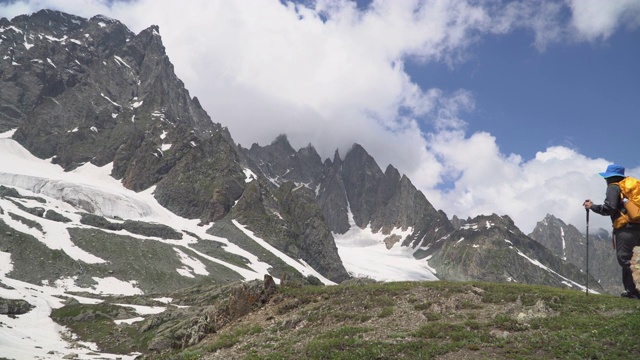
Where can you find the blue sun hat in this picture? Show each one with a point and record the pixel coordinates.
(613, 170)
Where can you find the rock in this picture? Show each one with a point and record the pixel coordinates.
(500, 334)
(269, 285)
(635, 265)
(244, 298)
(14, 306)
(54, 216)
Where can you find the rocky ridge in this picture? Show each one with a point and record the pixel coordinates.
(569, 243)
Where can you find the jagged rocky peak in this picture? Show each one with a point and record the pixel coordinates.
(281, 143)
(358, 157)
(309, 154)
(457, 222)
(569, 244)
(50, 21)
(95, 92)
(393, 173)
(337, 161)
(550, 220)
(490, 222)
(279, 162)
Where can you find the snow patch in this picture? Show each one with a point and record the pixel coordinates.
(564, 252)
(119, 61)
(365, 254)
(60, 40)
(469, 226)
(249, 175)
(111, 101)
(106, 286)
(566, 281)
(191, 265)
(3, 29)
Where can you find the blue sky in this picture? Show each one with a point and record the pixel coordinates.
(488, 106)
(579, 95)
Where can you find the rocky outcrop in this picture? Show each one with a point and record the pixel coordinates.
(332, 196)
(290, 219)
(181, 328)
(13, 307)
(310, 234)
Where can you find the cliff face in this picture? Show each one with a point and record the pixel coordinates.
(567, 242)
(82, 91)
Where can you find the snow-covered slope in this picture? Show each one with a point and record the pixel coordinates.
(90, 189)
(377, 256)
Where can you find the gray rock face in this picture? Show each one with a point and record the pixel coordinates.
(280, 163)
(569, 243)
(492, 248)
(14, 307)
(83, 90)
(332, 197)
(357, 184)
(290, 219)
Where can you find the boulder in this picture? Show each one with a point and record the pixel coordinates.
(14, 306)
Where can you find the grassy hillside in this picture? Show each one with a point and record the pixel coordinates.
(444, 320)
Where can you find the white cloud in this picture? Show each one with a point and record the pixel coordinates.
(332, 75)
(595, 19)
(556, 181)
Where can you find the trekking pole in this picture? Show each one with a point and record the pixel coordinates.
(587, 252)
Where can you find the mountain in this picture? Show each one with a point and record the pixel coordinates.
(115, 181)
(90, 91)
(492, 248)
(356, 186)
(567, 242)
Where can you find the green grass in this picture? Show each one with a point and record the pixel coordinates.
(428, 320)
(231, 338)
(577, 326)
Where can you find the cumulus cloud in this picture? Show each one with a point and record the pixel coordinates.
(594, 20)
(331, 74)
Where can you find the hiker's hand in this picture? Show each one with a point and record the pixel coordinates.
(587, 204)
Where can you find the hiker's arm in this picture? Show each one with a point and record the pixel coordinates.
(610, 205)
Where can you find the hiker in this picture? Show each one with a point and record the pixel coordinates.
(626, 234)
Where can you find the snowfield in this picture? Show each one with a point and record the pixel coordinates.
(365, 254)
